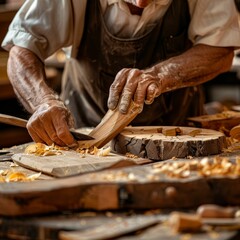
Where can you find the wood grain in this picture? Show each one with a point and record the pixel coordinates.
(77, 225)
(137, 187)
(110, 126)
(70, 162)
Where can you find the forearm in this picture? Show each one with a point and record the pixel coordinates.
(27, 75)
(196, 66)
(199, 64)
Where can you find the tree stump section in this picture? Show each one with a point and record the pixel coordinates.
(161, 143)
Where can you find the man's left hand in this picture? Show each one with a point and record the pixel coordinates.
(141, 86)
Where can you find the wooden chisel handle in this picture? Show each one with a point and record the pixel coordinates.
(216, 211)
(15, 121)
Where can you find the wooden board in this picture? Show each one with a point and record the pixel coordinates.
(92, 225)
(222, 121)
(139, 187)
(69, 162)
(156, 144)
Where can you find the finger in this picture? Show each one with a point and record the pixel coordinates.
(129, 90)
(35, 137)
(52, 133)
(116, 88)
(140, 94)
(113, 99)
(125, 101)
(151, 93)
(63, 133)
(47, 123)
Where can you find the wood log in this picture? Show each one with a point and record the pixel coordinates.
(148, 142)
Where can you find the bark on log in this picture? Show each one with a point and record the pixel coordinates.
(149, 142)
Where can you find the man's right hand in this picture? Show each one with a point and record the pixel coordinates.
(50, 120)
(50, 124)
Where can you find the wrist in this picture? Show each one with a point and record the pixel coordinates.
(51, 97)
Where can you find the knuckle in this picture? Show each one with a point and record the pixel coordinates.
(54, 138)
(61, 134)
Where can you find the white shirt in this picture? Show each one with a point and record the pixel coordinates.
(122, 23)
(44, 26)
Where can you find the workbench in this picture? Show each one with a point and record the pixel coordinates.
(126, 223)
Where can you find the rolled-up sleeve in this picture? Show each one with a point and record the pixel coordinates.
(214, 23)
(42, 26)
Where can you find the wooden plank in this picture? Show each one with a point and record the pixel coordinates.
(127, 188)
(110, 126)
(69, 162)
(115, 228)
(220, 121)
(164, 232)
(50, 227)
(161, 143)
(138, 187)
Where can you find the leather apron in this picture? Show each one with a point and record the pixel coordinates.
(101, 56)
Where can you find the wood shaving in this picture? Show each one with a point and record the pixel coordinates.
(130, 155)
(40, 149)
(218, 166)
(120, 176)
(15, 176)
(101, 152)
(194, 133)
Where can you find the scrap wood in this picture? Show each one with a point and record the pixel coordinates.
(117, 227)
(222, 122)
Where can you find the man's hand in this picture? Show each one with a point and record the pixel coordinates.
(134, 84)
(197, 65)
(50, 124)
(50, 120)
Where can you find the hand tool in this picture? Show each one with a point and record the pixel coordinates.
(5, 156)
(8, 119)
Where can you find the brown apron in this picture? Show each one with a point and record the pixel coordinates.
(101, 55)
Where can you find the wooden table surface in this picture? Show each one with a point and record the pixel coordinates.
(129, 224)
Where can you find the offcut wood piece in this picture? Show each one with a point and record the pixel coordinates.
(235, 132)
(161, 143)
(220, 121)
(110, 126)
(191, 222)
(185, 222)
